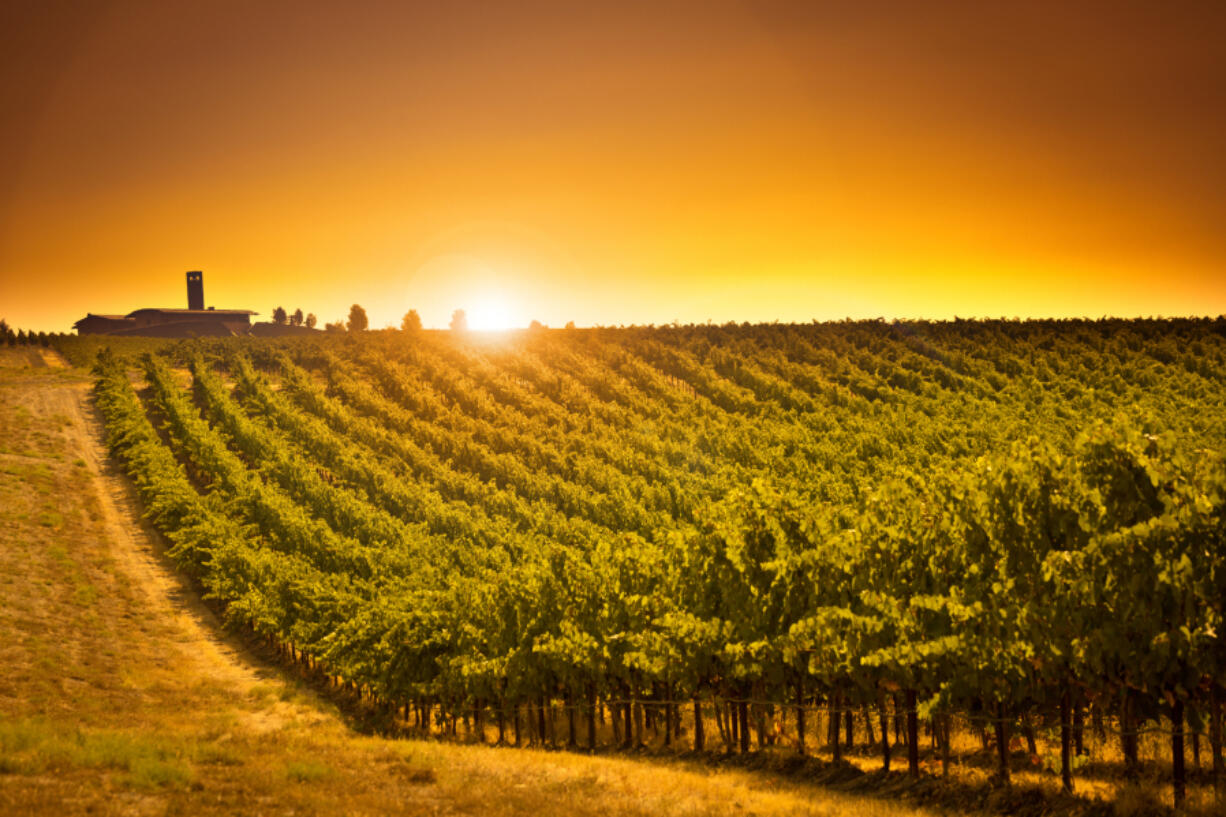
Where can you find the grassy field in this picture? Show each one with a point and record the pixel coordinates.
(121, 694)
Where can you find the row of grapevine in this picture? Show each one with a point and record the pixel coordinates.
(1008, 523)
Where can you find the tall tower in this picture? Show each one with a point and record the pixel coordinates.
(195, 290)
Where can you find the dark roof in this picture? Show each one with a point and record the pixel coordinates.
(185, 329)
(89, 315)
(203, 313)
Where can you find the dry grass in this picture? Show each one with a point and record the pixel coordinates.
(119, 694)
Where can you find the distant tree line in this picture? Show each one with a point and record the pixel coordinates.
(280, 318)
(359, 322)
(21, 337)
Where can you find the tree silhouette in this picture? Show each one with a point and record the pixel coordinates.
(459, 321)
(357, 319)
(411, 322)
(296, 318)
(336, 326)
(311, 320)
(537, 326)
(278, 315)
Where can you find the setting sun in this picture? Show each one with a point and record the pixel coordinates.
(493, 313)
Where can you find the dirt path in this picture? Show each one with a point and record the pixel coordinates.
(191, 639)
(139, 553)
(97, 630)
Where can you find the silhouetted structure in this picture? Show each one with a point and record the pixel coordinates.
(195, 290)
(93, 324)
(194, 322)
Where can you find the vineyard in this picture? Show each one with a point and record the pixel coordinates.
(734, 538)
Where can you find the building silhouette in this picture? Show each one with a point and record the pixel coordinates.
(194, 322)
(195, 290)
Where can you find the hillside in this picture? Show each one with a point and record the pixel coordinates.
(972, 551)
(122, 694)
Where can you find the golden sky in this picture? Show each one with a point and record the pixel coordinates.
(620, 162)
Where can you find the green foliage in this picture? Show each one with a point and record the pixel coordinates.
(987, 514)
(37, 747)
(307, 771)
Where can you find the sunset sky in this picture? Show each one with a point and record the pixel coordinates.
(613, 163)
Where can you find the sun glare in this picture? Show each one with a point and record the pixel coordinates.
(491, 314)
